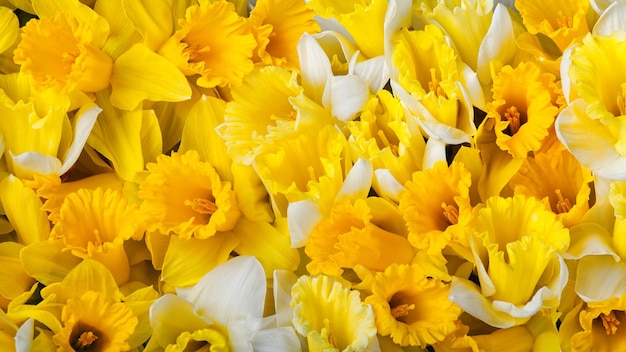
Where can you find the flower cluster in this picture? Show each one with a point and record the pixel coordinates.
(287, 175)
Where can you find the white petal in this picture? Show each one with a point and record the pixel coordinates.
(302, 217)
(358, 182)
(613, 19)
(283, 282)
(374, 71)
(29, 163)
(279, 339)
(594, 268)
(85, 120)
(346, 96)
(232, 291)
(240, 333)
(435, 151)
(466, 295)
(589, 238)
(600, 6)
(314, 65)
(590, 141)
(566, 62)
(24, 336)
(387, 185)
(498, 43)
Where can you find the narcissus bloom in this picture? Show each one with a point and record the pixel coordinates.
(518, 262)
(592, 125)
(331, 316)
(213, 42)
(184, 195)
(277, 25)
(412, 307)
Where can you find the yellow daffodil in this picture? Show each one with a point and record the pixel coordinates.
(562, 21)
(213, 42)
(382, 135)
(91, 322)
(10, 29)
(39, 134)
(522, 108)
(352, 15)
(518, 262)
(429, 86)
(591, 126)
(331, 316)
(23, 210)
(559, 179)
(519, 338)
(277, 26)
(16, 280)
(185, 196)
(411, 306)
(78, 57)
(437, 210)
(95, 224)
(595, 322)
(350, 236)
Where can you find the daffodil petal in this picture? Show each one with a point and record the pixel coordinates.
(9, 27)
(187, 260)
(23, 209)
(387, 184)
(270, 340)
(47, 262)
(613, 275)
(374, 71)
(314, 65)
(611, 20)
(358, 182)
(435, 151)
(346, 96)
(283, 282)
(153, 19)
(166, 329)
(29, 163)
(232, 291)
(88, 275)
(302, 217)
(595, 148)
(498, 44)
(140, 74)
(85, 120)
(16, 281)
(589, 238)
(24, 336)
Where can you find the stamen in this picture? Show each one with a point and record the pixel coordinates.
(513, 116)
(312, 176)
(621, 102)
(201, 205)
(451, 212)
(563, 205)
(563, 21)
(195, 52)
(434, 86)
(96, 234)
(610, 323)
(392, 147)
(291, 116)
(401, 310)
(85, 340)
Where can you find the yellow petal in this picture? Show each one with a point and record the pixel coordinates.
(47, 261)
(23, 209)
(153, 19)
(141, 74)
(122, 35)
(87, 276)
(9, 27)
(187, 260)
(16, 281)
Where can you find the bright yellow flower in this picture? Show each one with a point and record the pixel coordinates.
(518, 338)
(213, 42)
(95, 224)
(277, 26)
(522, 108)
(331, 316)
(412, 306)
(353, 15)
(92, 322)
(349, 237)
(428, 77)
(592, 125)
(559, 180)
(61, 53)
(382, 135)
(563, 21)
(437, 209)
(185, 196)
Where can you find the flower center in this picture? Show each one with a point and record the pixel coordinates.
(401, 310)
(451, 212)
(563, 21)
(610, 323)
(201, 205)
(434, 85)
(386, 143)
(195, 52)
(563, 205)
(513, 116)
(85, 340)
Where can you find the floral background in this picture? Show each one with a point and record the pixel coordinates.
(287, 175)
